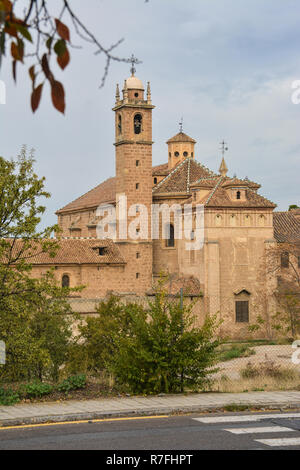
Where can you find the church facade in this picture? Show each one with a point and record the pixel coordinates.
(227, 273)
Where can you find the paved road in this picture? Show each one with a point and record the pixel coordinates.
(190, 432)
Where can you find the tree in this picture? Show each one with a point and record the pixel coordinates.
(282, 262)
(37, 34)
(33, 321)
(152, 349)
(293, 206)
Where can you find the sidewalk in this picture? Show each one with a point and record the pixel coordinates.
(141, 406)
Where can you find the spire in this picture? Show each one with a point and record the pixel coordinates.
(117, 94)
(223, 168)
(148, 93)
(125, 92)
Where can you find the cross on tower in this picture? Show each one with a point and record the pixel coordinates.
(181, 125)
(224, 147)
(133, 61)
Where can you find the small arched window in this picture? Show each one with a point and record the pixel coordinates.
(155, 180)
(137, 123)
(176, 154)
(170, 242)
(185, 154)
(238, 195)
(120, 124)
(65, 282)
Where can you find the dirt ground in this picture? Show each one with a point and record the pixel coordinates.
(279, 354)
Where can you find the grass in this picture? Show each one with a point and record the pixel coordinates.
(262, 377)
(230, 351)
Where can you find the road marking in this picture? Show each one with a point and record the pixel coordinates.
(245, 418)
(285, 442)
(259, 430)
(85, 421)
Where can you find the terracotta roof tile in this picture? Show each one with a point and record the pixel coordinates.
(76, 251)
(181, 137)
(286, 227)
(182, 176)
(104, 192)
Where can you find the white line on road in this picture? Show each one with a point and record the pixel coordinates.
(245, 418)
(280, 442)
(264, 429)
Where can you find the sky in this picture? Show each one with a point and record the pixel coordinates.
(225, 66)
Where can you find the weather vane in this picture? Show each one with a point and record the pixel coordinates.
(134, 61)
(181, 125)
(224, 147)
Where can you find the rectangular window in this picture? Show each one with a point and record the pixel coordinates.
(242, 311)
(137, 275)
(137, 185)
(137, 163)
(285, 260)
(138, 255)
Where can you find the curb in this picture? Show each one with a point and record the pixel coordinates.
(69, 418)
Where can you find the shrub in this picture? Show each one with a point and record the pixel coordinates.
(268, 369)
(74, 382)
(229, 352)
(8, 397)
(35, 390)
(164, 350)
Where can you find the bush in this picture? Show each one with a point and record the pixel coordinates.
(35, 390)
(74, 382)
(8, 397)
(164, 351)
(229, 352)
(267, 369)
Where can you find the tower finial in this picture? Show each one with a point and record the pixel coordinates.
(125, 92)
(133, 61)
(223, 167)
(148, 93)
(181, 126)
(117, 93)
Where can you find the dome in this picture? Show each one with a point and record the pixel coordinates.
(134, 83)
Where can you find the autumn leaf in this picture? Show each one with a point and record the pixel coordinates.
(32, 73)
(63, 59)
(46, 68)
(14, 70)
(17, 50)
(62, 30)
(36, 97)
(58, 96)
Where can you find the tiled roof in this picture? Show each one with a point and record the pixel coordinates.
(161, 170)
(189, 284)
(76, 251)
(238, 182)
(104, 192)
(219, 197)
(286, 227)
(181, 137)
(182, 176)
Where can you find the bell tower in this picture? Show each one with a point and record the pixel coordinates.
(133, 144)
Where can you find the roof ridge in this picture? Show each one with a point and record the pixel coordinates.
(172, 172)
(214, 189)
(269, 200)
(85, 194)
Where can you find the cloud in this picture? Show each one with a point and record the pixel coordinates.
(226, 66)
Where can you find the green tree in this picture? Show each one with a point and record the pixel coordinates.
(33, 321)
(154, 349)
